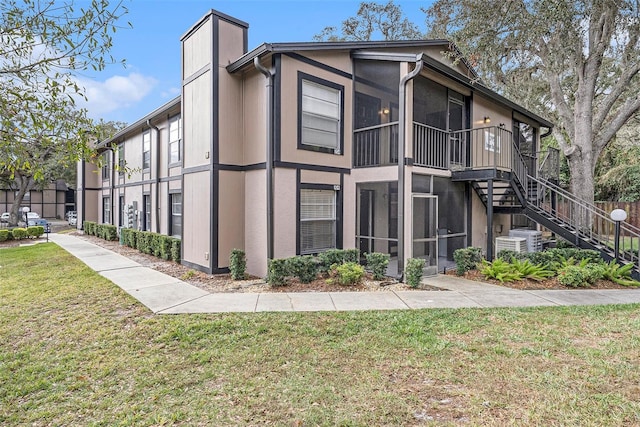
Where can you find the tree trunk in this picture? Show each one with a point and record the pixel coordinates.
(582, 187)
(25, 184)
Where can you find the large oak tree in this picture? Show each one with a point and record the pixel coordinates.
(43, 44)
(574, 60)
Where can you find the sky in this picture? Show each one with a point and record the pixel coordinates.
(151, 47)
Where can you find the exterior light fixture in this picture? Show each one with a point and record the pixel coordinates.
(487, 119)
(618, 215)
(25, 210)
(385, 111)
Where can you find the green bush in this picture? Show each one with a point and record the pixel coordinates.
(277, 272)
(165, 246)
(573, 276)
(133, 239)
(348, 273)
(238, 264)
(467, 259)
(620, 274)
(4, 235)
(377, 263)
(413, 271)
(89, 228)
(305, 268)
(562, 244)
(175, 249)
(528, 270)
(109, 232)
(19, 233)
(35, 231)
(500, 270)
(336, 256)
(509, 255)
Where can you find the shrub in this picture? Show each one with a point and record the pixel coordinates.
(562, 243)
(89, 227)
(109, 232)
(305, 268)
(35, 231)
(413, 271)
(619, 274)
(175, 249)
(19, 233)
(348, 273)
(4, 235)
(133, 239)
(531, 271)
(509, 255)
(377, 263)
(165, 246)
(573, 276)
(336, 256)
(466, 259)
(500, 270)
(237, 264)
(277, 272)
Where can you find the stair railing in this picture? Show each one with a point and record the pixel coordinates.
(585, 220)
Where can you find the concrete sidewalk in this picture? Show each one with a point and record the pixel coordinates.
(164, 294)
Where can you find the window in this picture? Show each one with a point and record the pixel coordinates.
(146, 150)
(121, 163)
(317, 220)
(175, 224)
(106, 210)
(320, 114)
(146, 226)
(106, 164)
(175, 139)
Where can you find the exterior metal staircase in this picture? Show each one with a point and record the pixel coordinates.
(511, 189)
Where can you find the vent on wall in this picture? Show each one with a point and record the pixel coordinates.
(516, 244)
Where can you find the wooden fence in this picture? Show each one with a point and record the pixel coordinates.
(632, 209)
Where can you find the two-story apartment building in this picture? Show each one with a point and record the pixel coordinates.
(295, 148)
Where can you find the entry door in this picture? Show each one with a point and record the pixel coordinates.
(366, 220)
(425, 231)
(456, 123)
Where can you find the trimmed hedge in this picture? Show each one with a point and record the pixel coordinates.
(4, 235)
(165, 247)
(35, 231)
(19, 233)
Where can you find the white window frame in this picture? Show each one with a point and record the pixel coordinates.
(146, 150)
(321, 213)
(175, 139)
(321, 114)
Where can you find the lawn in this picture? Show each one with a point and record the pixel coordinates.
(76, 350)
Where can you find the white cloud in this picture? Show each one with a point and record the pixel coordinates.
(171, 92)
(116, 92)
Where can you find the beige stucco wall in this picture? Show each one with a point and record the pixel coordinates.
(197, 49)
(196, 227)
(290, 111)
(231, 215)
(255, 222)
(197, 107)
(284, 209)
(254, 114)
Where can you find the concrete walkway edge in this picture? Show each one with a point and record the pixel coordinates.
(164, 294)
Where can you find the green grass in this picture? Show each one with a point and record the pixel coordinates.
(76, 350)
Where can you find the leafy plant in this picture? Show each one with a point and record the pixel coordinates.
(336, 256)
(175, 249)
(4, 235)
(508, 255)
(238, 264)
(377, 262)
(348, 273)
(500, 270)
(35, 231)
(531, 271)
(304, 267)
(413, 271)
(620, 274)
(277, 272)
(467, 259)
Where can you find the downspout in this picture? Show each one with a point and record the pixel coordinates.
(401, 166)
(157, 190)
(269, 74)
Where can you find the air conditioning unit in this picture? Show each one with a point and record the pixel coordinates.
(534, 238)
(516, 244)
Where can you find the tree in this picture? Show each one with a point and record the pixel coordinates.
(43, 44)
(575, 60)
(373, 20)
